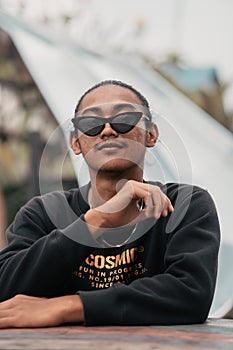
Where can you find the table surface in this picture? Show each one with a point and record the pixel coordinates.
(214, 334)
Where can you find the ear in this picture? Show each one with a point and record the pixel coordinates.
(74, 144)
(152, 135)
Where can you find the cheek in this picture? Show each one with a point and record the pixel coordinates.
(86, 144)
(139, 136)
(137, 147)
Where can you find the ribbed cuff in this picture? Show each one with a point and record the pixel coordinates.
(100, 307)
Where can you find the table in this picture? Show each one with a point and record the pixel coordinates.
(214, 334)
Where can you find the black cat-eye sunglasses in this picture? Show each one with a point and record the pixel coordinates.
(121, 123)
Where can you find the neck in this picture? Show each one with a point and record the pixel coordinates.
(105, 185)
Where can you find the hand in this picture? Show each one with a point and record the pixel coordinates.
(24, 311)
(123, 208)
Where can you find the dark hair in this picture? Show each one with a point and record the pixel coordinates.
(143, 100)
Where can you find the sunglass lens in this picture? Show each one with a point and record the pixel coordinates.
(90, 126)
(123, 123)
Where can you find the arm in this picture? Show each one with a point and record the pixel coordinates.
(39, 258)
(184, 292)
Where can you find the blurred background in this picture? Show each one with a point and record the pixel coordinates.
(186, 42)
(178, 53)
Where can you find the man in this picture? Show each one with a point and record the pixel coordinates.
(118, 251)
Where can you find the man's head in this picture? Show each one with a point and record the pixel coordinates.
(113, 121)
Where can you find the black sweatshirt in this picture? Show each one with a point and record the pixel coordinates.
(166, 276)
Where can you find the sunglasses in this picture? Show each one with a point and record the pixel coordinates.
(121, 123)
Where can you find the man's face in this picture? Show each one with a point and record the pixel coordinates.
(111, 150)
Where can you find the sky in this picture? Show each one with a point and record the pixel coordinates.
(200, 31)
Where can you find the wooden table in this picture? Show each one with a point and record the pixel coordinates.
(214, 334)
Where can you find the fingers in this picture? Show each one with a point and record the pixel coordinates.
(156, 203)
(17, 311)
(124, 208)
(7, 313)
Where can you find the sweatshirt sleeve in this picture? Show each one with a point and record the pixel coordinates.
(39, 257)
(184, 292)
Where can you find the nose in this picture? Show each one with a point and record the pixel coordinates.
(108, 131)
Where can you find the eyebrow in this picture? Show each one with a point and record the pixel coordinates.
(116, 108)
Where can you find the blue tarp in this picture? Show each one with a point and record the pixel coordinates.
(190, 78)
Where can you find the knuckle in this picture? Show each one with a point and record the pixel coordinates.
(131, 183)
(18, 297)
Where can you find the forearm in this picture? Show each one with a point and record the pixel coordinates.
(40, 268)
(33, 270)
(161, 299)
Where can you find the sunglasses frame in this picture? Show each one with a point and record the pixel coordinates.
(110, 120)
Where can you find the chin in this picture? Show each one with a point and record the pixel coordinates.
(117, 165)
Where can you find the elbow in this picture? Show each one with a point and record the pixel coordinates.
(200, 303)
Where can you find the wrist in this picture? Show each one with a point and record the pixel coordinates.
(71, 309)
(96, 222)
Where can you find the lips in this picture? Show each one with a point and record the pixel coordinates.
(108, 144)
